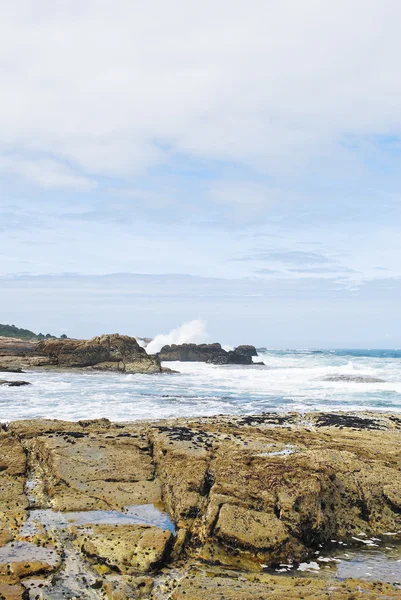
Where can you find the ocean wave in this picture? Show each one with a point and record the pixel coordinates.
(300, 381)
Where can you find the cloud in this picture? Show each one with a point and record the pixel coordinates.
(277, 312)
(266, 271)
(322, 270)
(289, 257)
(247, 198)
(289, 263)
(45, 173)
(276, 86)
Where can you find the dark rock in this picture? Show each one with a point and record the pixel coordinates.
(191, 352)
(231, 358)
(246, 350)
(14, 383)
(354, 378)
(211, 353)
(10, 369)
(341, 420)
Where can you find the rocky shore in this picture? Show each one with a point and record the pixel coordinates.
(112, 352)
(196, 508)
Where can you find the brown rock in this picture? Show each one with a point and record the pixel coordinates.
(88, 471)
(13, 501)
(12, 591)
(216, 584)
(128, 588)
(252, 495)
(106, 352)
(244, 492)
(109, 352)
(128, 548)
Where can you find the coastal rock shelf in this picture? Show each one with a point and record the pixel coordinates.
(249, 497)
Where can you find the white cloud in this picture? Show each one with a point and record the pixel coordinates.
(46, 173)
(239, 193)
(115, 87)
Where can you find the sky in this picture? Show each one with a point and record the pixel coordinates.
(234, 162)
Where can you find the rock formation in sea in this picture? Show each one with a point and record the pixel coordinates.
(106, 352)
(112, 352)
(210, 353)
(244, 494)
(353, 378)
(13, 383)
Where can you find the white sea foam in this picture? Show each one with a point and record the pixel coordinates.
(290, 381)
(191, 332)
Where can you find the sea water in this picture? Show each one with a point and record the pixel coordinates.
(290, 380)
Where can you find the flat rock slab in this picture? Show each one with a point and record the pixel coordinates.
(21, 559)
(128, 548)
(198, 585)
(247, 492)
(88, 471)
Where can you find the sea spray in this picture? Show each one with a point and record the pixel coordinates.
(190, 332)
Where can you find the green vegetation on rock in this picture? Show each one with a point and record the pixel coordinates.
(12, 331)
(17, 332)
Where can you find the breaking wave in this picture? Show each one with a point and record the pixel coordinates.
(192, 331)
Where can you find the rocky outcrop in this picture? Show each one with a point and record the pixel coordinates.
(112, 352)
(211, 353)
(13, 383)
(106, 352)
(246, 350)
(245, 493)
(353, 378)
(15, 347)
(9, 369)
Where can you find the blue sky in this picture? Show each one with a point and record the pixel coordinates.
(236, 162)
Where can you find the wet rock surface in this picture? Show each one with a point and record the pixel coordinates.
(256, 501)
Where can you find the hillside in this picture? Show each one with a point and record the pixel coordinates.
(12, 331)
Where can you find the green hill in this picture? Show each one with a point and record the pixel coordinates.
(24, 334)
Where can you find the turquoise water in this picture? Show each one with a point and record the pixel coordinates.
(291, 380)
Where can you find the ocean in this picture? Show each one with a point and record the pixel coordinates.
(291, 380)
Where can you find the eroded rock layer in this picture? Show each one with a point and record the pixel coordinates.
(246, 495)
